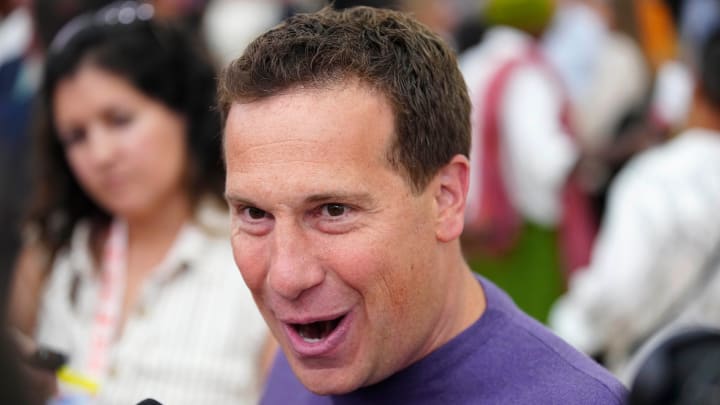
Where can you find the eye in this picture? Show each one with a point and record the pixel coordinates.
(72, 137)
(334, 210)
(335, 218)
(249, 213)
(119, 118)
(251, 220)
(255, 213)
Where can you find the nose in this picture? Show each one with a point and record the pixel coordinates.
(293, 269)
(102, 146)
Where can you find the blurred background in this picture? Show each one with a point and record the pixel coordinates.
(639, 36)
(603, 231)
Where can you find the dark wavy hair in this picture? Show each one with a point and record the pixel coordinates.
(386, 50)
(162, 61)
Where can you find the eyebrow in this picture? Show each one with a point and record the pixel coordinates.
(233, 199)
(361, 198)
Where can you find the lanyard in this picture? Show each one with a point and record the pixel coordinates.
(110, 299)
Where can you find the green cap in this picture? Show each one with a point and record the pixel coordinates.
(528, 15)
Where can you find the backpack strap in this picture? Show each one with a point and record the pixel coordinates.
(497, 223)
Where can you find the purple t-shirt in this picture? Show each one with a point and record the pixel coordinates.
(504, 358)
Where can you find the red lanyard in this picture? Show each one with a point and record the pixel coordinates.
(110, 299)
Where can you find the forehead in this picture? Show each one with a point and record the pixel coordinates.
(320, 132)
(320, 106)
(93, 85)
(347, 119)
(89, 73)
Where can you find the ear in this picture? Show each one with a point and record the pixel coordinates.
(451, 188)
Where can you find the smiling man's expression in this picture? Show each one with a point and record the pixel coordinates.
(337, 249)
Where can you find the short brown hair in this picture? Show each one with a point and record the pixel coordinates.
(385, 49)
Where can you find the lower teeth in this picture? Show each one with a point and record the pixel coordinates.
(310, 340)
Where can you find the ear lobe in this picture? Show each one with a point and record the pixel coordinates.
(450, 196)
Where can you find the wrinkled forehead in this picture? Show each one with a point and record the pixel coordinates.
(235, 93)
(340, 110)
(331, 132)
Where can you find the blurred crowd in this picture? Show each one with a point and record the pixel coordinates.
(595, 157)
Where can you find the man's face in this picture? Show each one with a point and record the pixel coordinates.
(340, 255)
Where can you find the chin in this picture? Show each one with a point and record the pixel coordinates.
(329, 388)
(328, 381)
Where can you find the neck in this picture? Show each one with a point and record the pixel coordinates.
(150, 236)
(471, 300)
(465, 303)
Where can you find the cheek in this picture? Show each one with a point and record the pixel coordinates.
(391, 274)
(160, 134)
(371, 267)
(81, 169)
(248, 253)
(178, 168)
(176, 156)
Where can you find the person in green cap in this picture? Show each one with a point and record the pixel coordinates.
(528, 222)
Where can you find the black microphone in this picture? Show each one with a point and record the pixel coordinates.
(149, 401)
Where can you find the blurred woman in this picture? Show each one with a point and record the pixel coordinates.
(127, 267)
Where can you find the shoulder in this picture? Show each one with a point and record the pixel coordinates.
(544, 367)
(75, 259)
(213, 217)
(687, 163)
(208, 235)
(674, 159)
(540, 367)
(566, 374)
(207, 253)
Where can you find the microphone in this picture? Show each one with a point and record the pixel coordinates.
(149, 401)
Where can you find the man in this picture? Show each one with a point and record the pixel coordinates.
(655, 265)
(346, 143)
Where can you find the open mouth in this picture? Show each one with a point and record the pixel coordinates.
(315, 332)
